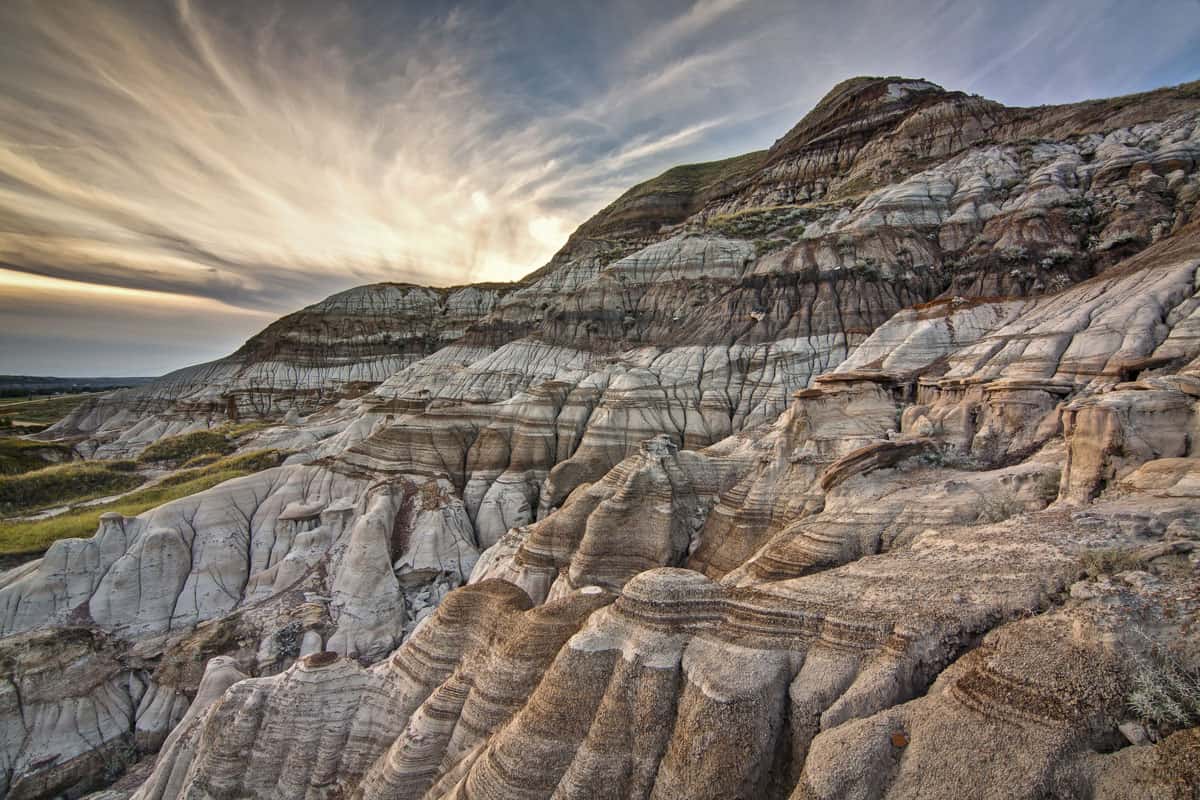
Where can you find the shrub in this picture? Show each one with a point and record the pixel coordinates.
(1047, 485)
(1165, 693)
(1000, 507)
(1110, 561)
(950, 458)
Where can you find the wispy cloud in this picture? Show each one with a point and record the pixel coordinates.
(676, 32)
(258, 156)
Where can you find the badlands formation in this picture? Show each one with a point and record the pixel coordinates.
(865, 466)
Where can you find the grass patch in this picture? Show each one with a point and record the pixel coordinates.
(43, 410)
(199, 447)
(186, 446)
(66, 483)
(786, 222)
(694, 178)
(202, 460)
(35, 536)
(237, 430)
(23, 455)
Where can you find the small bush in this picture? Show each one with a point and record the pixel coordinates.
(949, 458)
(1000, 507)
(1110, 561)
(1165, 693)
(1047, 485)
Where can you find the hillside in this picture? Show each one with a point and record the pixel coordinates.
(811, 473)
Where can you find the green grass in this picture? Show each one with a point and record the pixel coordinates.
(43, 410)
(192, 449)
(693, 178)
(186, 446)
(202, 460)
(35, 536)
(237, 430)
(66, 483)
(22, 455)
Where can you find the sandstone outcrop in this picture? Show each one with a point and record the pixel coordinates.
(803, 474)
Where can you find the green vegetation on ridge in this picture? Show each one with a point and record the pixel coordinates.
(186, 447)
(23, 455)
(694, 179)
(43, 411)
(34, 536)
(66, 483)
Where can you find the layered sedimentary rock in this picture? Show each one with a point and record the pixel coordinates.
(685, 687)
(782, 479)
(339, 347)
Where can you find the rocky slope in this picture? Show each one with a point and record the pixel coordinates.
(809, 473)
(338, 348)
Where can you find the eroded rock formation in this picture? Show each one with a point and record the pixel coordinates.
(804, 474)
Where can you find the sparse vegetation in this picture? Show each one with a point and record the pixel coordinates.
(203, 446)
(1110, 561)
(202, 460)
(186, 446)
(43, 411)
(693, 178)
(1165, 694)
(236, 430)
(856, 187)
(1047, 485)
(950, 458)
(66, 483)
(1000, 507)
(784, 221)
(23, 455)
(34, 536)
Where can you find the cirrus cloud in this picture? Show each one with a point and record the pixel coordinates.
(245, 159)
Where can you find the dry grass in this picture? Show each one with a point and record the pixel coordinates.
(1110, 561)
(1165, 694)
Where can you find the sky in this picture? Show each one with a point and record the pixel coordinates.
(175, 174)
